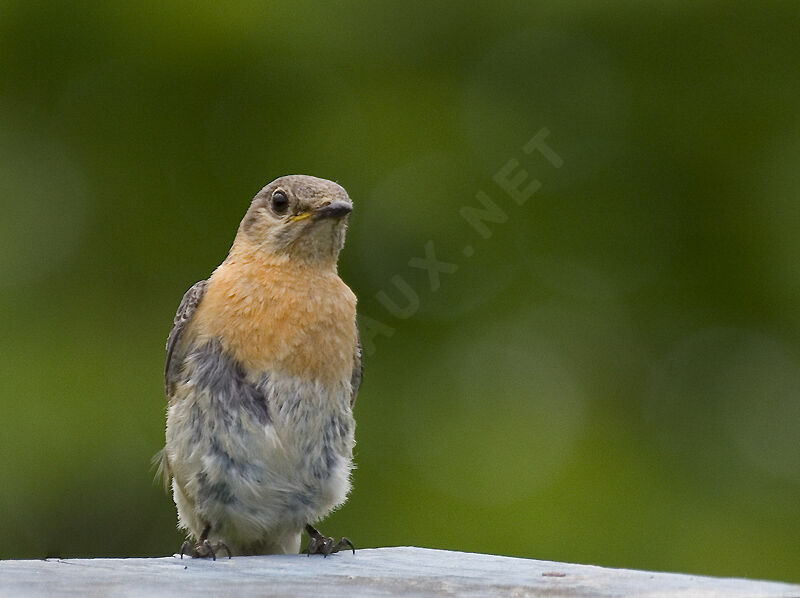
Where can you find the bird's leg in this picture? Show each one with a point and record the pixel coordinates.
(203, 549)
(324, 545)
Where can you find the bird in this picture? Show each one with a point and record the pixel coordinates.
(263, 366)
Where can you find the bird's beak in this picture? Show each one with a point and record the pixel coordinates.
(335, 209)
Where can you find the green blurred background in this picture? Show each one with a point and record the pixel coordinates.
(612, 378)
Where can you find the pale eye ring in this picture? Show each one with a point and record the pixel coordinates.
(279, 202)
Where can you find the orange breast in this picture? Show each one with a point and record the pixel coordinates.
(281, 318)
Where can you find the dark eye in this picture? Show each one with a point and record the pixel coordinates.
(279, 202)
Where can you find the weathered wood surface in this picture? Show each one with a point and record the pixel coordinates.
(370, 572)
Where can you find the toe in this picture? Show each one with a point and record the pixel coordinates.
(344, 543)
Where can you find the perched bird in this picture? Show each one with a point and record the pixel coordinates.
(263, 368)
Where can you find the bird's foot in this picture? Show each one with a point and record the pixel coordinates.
(324, 545)
(203, 549)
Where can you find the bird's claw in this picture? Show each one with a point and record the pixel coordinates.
(325, 545)
(203, 549)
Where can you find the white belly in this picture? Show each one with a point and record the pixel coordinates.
(257, 478)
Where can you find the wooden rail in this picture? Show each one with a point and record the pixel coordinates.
(370, 572)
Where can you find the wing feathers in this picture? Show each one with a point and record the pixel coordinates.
(358, 370)
(186, 310)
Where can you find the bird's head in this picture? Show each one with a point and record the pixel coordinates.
(298, 217)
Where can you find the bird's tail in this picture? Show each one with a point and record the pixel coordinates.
(160, 463)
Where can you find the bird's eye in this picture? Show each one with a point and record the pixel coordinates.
(279, 202)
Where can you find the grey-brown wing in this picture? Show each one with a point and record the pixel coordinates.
(183, 316)
(358, 370)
